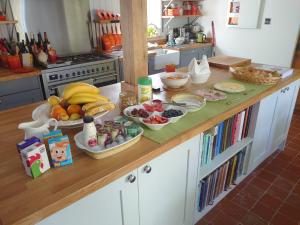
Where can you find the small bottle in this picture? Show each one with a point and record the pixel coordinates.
(144, 89)
(89, 133)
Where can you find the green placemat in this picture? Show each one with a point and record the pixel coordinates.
(211, 110)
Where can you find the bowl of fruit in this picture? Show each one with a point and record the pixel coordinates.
(174, 113)
(78, 99)
(136, 112)
(155, 122)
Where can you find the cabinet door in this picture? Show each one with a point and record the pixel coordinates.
(262, 114)
(282, 116)
(187, 56)
(21, 98)
(167, 186)
(207, 51)
(114, 204)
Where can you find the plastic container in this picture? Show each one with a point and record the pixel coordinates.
(14, 62)
(144, 89)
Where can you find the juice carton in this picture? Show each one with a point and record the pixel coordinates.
(27, 142)
(51, 134)
(60, 151)
(35, 160)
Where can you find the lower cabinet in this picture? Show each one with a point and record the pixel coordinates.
(273, 117)
(161, 192)
(114, 204)
(20, 92)
(187, 56)
(167, 186)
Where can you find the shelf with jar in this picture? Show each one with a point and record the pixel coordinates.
(175, 9)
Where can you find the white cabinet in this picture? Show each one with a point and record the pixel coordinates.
(282, 116)
(114, 204)
(167, 186)
(272, 119)
(263, 113)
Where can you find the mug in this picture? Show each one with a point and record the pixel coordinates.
(201, 37)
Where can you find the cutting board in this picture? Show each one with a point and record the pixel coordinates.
(225, 62)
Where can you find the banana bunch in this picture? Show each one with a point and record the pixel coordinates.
(97, 107)
(82, 93)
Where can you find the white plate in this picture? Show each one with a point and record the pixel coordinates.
(211, 95)
(230, 87)
(79, 143)
(193, 102)
(42, 112)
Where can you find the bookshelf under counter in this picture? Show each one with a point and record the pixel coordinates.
(225, 156)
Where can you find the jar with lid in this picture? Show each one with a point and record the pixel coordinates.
(89, 133)
(144, 89)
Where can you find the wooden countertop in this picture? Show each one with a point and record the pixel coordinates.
(24, 200)
(7, 75)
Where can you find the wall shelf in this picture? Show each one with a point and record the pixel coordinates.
(9, 22)
(183, 16)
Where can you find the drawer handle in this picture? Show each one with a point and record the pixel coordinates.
(147, 169)
(131, 178)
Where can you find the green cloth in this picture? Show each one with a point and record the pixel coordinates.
(212, 109)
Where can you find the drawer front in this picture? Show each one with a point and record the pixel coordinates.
(16, 86)
(21, 98)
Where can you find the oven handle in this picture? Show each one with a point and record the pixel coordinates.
(96, 80)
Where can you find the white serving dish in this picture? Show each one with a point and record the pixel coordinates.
(172, 83)
(42, 113)
(193, 102)
(182, 109)
(127, 113)
(229, 87)
(154, 126)
(98, 153)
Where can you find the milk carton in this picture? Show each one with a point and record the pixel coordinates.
(35, 160)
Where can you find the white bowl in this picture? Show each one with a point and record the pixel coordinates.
(174, 83)
(182, 109)
(127, 113)
(154, 126)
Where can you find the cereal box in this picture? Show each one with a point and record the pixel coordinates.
(35, 160)
(60, 151)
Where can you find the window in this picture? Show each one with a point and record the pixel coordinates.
(154, 17)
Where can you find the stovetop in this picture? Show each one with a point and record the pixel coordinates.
(77, 59)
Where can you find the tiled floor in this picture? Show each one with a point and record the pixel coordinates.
(270, 195)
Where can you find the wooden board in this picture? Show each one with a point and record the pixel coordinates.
(225, 62)
(24, 200)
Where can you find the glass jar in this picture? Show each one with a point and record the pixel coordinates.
(127, 98)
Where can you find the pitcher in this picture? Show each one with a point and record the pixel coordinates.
(37, 128)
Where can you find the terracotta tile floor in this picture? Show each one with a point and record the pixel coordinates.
(270, 194)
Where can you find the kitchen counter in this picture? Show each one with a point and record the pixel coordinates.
(24, 200)
(7, 75)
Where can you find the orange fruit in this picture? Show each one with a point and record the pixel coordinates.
(73, 109)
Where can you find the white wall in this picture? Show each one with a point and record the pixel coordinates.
(269, 44)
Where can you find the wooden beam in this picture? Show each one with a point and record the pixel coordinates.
(134, 39)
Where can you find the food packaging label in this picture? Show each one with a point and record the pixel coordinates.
(35, 160)
(60, 151)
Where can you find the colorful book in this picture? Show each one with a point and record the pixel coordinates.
(201, 148)
(248, 121)
(241, 125)
(237, 130)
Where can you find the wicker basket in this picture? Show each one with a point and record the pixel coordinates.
(253, 75)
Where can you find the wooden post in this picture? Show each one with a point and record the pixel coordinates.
(134, 39)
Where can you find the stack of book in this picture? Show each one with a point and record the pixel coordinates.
(218, 139)
(221, 179)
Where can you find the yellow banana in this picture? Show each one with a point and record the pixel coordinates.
(88, 106)
(90, 95)
(82, 100)
(74, 88)
(98, 109)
